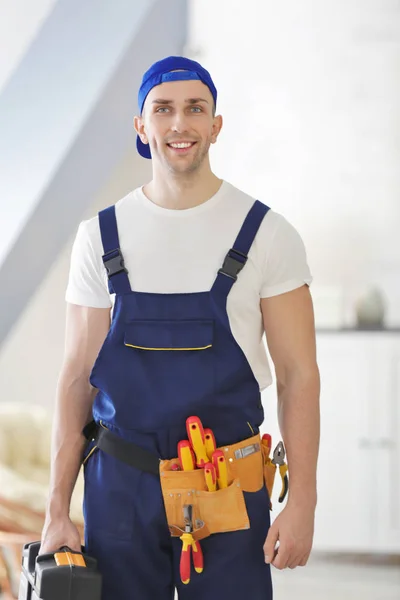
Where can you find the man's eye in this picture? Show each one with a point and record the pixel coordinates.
(196, 108)
(162, 109)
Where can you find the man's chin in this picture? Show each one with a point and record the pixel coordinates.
(184, 166)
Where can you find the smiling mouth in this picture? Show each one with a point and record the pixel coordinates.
(181, 146)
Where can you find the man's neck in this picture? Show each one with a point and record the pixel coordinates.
(182, 192)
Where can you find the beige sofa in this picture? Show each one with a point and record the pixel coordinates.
(25, 434)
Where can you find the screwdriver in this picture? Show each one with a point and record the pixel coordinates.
(186, 455)
(210, 442)
(211, 477)
(221, 469)
(196, 436)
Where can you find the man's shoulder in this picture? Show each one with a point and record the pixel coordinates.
(91, 226)
(245, 201)
(275, 229)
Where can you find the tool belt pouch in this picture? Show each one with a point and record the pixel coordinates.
(213, 512)
(269, 472)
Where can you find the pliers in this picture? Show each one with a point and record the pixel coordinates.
(189, 544)
(278, 459)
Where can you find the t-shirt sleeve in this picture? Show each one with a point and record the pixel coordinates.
(87, 283)
(286, 267)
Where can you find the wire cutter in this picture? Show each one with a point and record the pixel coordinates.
(278, 459)
(189, 544)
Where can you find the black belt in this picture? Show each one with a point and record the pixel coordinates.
(127, 452)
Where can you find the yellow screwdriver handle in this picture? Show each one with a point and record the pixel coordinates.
(186, 456)
(195, 433)
(210, 443)
(219, 462)
(211, 478)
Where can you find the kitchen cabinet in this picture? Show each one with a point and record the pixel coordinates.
(359, 462)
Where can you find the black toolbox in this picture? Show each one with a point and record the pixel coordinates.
(61, 575)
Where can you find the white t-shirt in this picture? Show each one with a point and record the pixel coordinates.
(173, 251)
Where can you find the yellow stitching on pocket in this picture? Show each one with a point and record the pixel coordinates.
(89, 455)
(252, 430)
(144, 348)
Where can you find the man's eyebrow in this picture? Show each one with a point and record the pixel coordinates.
(161, 101)
(188, 100)
(195, 100)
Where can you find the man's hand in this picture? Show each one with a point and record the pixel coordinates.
(59, 532)
(294, 528)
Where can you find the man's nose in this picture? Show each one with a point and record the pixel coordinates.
(179, 123)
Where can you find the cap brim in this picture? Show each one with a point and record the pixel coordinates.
(143, 149)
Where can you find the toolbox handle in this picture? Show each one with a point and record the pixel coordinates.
(64, 556)
(67, 557)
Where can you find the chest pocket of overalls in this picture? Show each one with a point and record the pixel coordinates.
(172, 357)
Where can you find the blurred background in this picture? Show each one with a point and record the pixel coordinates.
(310, 95)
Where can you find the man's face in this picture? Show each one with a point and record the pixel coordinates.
(178, 121)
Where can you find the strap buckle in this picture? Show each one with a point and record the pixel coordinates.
(114, 262)
(243, 452)
(232, 266)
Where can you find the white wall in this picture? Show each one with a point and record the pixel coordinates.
(310, 93)
(31, 357)
(56, 93)
(20, 20)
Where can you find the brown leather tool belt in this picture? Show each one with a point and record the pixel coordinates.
(213, 512)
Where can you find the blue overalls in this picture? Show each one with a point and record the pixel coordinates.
(167, 357)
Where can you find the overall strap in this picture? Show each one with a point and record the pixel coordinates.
(118, 282)
(237, 255)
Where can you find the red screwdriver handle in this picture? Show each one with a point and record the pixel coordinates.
(184, 567)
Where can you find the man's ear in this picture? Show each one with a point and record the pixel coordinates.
(216, 128)
(138, 123)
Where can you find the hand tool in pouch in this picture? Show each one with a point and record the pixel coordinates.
(186, 456)
(266, 441)
(211, 477)
(279, 460)
(219, 462)
(196, 437)
(211, 444)
(189, 546)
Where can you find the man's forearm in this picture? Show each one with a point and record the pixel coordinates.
(299, 422)
(73, 411)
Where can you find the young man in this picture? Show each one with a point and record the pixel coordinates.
(197, 266)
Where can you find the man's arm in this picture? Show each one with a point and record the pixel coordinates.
(290, 331)
(86, 329)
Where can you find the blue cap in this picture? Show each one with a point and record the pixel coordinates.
(182, 69)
